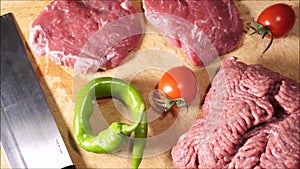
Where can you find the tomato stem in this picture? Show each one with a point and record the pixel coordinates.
(263, 31)
(168, 103)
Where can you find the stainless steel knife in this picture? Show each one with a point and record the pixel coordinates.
(29, 135)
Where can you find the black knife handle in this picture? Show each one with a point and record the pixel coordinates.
(70, 167)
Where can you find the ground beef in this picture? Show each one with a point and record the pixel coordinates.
(86, 34)
(251, 120)
(204, 29)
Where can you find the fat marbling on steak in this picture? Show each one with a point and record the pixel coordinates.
(204, 29)
(86, 34)
(258, 126)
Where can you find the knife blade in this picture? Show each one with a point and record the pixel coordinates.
(29, 135)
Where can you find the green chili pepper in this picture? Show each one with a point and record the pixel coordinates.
(116, 136)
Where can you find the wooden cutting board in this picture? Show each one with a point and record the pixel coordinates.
(60, 84)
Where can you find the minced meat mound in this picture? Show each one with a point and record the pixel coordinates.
(251, 120)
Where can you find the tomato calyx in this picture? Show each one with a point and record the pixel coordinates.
(168, 102)
(263, 31)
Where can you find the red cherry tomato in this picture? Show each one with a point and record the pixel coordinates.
(275, 21)
(179, 82)
(279, 18)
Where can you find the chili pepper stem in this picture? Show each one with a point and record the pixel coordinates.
(126, 129)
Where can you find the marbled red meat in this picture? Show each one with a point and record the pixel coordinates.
(258, 124)
(86, 34)
(204, 29)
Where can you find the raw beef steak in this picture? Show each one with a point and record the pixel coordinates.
(258, 127)
(204, 29)
(86, 34)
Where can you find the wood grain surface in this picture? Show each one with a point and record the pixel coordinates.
(60, 84)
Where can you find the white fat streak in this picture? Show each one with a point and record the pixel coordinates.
(230, 11)
(53, 5)
(33, 31)
(86, 64)
(58, 57)
(110, 55)
(103, 22)
(124, 5)
(196, 33)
